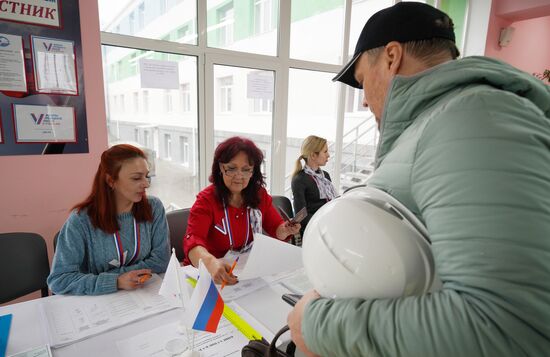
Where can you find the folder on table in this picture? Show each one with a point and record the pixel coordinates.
(5, 323)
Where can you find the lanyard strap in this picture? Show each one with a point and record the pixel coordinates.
(120, 249)
(230, 234)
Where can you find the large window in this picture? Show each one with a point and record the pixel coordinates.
(183, 75)
(237, 86)
(248, 26)
(157, 121)
(310, 115)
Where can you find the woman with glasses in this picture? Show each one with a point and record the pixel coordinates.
(227, 214)
(311, 186)
(117, 237)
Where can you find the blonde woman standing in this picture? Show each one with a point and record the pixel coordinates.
(311, 186)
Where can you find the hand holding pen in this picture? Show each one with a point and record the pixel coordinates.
(230, 272)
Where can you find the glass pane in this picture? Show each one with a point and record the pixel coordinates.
(160, 116)
(456, 9)
(359, 141)
(171, 20)
(361, 11)
(314, 25)
(247, 26)
(243, 105)
(312, 101)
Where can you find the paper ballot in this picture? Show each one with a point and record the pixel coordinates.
(268, 256)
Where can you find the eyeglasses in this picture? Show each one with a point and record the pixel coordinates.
(233, 171)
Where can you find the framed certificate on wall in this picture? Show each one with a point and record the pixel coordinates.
(54, 63)
(12, 64)
(44, 124)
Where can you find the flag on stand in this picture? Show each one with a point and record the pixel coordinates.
(174, 284)
(205, 308)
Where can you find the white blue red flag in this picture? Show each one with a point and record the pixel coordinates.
(205, 307)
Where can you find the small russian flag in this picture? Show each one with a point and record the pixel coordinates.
(205, 308)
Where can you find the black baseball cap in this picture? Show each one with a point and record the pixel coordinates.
(402, 22)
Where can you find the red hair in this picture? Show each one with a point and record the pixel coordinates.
(226, 151)
(101, 203)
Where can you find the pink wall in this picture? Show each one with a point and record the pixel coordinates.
(529, 49)
(38, 191)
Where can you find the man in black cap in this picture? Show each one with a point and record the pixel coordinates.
(465, 146)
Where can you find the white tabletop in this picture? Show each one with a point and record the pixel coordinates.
(27, 330)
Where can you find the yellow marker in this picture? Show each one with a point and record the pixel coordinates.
(237, 321)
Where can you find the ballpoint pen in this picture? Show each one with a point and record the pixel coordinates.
(230, 271)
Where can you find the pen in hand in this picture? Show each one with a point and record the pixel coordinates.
(230, 271)
(142, 278)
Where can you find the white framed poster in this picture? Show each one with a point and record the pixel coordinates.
(36, 12)
(12, 63)
(54, 63)
(44, 124)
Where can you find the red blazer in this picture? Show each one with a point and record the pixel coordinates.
(207, 212)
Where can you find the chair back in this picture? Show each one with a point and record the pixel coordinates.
(284, 204)
(24, 265)
(177, 225)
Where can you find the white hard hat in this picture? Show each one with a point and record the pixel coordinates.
(367, 244)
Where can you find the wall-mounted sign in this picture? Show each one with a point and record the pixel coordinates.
(12, 63)
(260, 84)
(159, 74)
(44, 124)
(36, 12)
(54, 63)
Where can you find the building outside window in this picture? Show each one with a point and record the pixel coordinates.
(122, 104)
(141, 16)
(167, 146)
(226, 20)
(146, 139)
(136, 102)
(145, 101)
(184, 150)
(262, 16)
(261, 105)
(185, 97)
(168, 104)
(132, 20)
(225, 85)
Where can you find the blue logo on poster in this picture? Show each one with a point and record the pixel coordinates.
(4, 42)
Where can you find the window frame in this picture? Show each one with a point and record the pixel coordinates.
(281, 64)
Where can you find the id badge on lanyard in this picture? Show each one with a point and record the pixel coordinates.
(230, 233)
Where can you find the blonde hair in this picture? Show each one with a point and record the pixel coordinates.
(311, 145)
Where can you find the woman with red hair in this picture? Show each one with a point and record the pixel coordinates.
(115, 238)
(227, 213)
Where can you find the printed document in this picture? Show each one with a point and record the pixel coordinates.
(227, 341)
(73, 318)
(268, 256)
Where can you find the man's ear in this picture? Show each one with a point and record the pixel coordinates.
(393, 53)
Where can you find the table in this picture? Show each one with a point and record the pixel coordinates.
(27, 331)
